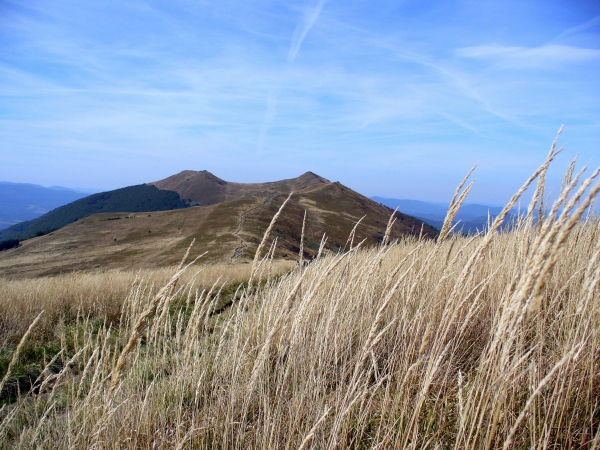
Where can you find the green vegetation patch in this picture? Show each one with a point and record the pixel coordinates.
(8, 244)
(32, 360)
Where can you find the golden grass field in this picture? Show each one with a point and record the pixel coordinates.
(480, 342)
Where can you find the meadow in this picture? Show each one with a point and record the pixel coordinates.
(467, 342)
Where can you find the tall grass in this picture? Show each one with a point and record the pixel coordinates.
(96, 294)
(488, 341)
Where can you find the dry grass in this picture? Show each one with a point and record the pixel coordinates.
(97, 294)
(489, 341)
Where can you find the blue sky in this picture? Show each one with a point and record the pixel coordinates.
(397, 99)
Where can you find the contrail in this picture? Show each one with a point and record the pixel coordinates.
(576, 29)
(268, 119)
(311, 14)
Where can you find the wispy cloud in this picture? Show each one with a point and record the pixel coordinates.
(141, 92)
(579, 28)
(310, 16)
(542, 56)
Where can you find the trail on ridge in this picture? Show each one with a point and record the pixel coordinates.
(238, 251)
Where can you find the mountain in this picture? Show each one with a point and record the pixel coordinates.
(129, 199)
(21, 201)
(229, 224)
(471, 217)
(203, 188)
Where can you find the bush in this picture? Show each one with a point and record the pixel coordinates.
(8, 244)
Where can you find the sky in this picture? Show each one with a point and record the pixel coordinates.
(391, 98)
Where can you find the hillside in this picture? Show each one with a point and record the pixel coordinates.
(128, 199)
(23, 201)
(178, 191)
(230, 231)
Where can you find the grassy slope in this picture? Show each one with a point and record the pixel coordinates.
(120, 241)
(332, 209)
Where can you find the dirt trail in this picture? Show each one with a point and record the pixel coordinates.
(238, 251)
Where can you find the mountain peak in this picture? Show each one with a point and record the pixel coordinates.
(309, 180)
(187, 175)
(204, 188)
(201, 187)
(313, 176)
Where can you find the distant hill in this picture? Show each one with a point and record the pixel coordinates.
(21, 201)
(470, 218)
(229, 225)
(129, 199)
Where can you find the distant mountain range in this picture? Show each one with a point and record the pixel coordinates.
(21, 201)
(151, 225)
(471, 218)
(142, 198)
(22, 204)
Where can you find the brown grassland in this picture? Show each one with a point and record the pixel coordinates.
(466, 342)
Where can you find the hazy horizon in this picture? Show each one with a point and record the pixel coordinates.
(395, 100)
(377, 198)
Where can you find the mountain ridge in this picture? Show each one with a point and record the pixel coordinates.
(204, 188)
(230, 230)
